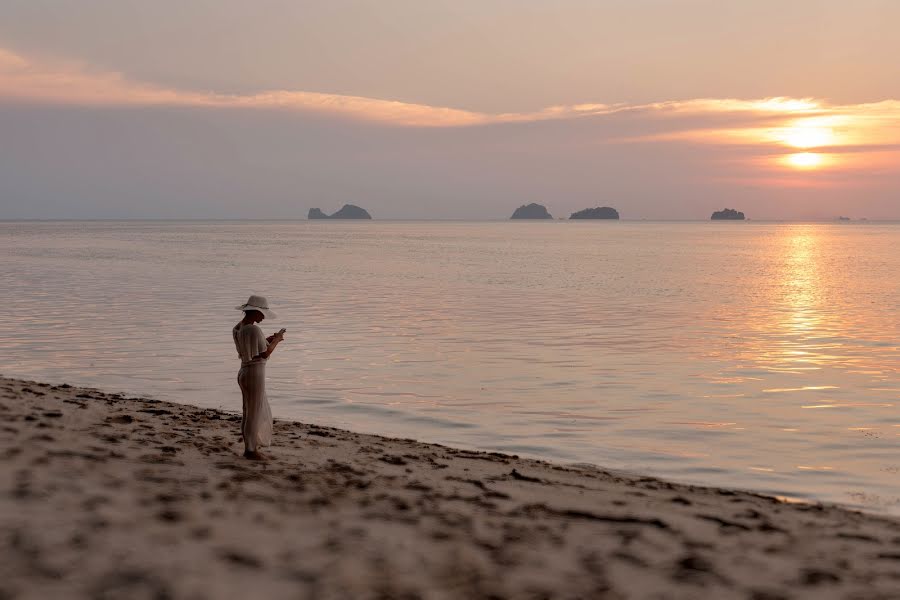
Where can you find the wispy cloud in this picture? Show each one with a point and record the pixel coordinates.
(71, 83)
(74, 83)
(844, 135)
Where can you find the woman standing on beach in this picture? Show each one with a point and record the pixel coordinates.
(255, 349)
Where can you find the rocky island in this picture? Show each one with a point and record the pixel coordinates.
(601, 212)
(531, 211)
(729, 214)
(348, 211)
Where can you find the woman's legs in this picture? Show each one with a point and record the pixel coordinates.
(240, 380)
(244, 381)
(256, 421)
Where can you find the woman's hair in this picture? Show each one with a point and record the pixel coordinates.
(250, 313)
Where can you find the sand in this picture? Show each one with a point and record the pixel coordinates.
(105, 497)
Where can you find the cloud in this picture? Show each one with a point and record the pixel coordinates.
(71, 83)
(769, 127)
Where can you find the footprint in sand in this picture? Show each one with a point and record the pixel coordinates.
(243, 559)
(130, 583)
(170, 515)
(122, 419)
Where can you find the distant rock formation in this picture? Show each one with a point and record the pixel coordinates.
(601, 212)
(351, 211)
(348, 211)
(531, 211)
(729, 214)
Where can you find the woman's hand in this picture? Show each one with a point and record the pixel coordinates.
(272, 341)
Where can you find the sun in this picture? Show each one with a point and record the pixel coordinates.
(805, 160)
(800, 136)
(806, 133)
(810, 136)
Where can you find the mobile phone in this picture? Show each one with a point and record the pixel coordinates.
(282, 330)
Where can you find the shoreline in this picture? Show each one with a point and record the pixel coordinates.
(108, 496)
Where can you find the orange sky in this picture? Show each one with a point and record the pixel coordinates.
(781, 144)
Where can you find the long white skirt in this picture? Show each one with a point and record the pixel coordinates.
(256, 425)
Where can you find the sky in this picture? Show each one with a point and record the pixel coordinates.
(464, 109)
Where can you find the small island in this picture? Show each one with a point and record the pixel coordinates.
(531, 211)
(601, 212)
(729, 214)
(348, 211)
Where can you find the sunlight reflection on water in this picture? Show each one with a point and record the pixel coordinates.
(752, 355)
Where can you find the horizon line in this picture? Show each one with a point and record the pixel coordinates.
(835, 219)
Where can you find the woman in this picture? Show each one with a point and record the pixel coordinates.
(254, 349)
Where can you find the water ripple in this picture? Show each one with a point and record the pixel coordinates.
(763, 356)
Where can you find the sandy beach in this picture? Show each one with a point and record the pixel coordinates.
(107, 496)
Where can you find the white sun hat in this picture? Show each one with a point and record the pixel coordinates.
(258, 303)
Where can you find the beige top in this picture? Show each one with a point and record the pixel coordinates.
(250, 341)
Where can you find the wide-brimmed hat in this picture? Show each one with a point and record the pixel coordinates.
(258, 303)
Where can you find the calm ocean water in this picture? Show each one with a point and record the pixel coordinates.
(752, 355)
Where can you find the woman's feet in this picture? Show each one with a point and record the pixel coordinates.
(255, 455)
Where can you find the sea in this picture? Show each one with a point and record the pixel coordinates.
(751, 355)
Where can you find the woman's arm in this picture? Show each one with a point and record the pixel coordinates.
(270, 348)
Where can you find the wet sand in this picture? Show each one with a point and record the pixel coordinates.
(107, 497)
